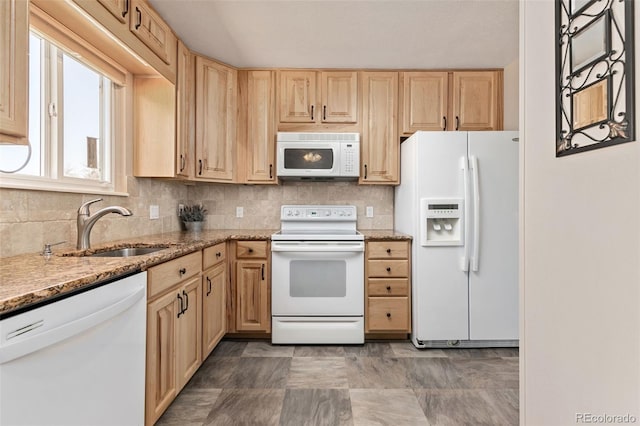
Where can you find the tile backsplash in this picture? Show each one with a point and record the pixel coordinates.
(29, 219)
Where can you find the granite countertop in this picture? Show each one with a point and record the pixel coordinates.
(31, 278)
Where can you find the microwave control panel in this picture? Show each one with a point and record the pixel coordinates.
(350, 156)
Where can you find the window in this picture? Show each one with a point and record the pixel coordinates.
(71, 124)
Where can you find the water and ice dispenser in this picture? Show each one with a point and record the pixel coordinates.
(441, 222)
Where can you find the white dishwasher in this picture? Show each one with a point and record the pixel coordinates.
(77, 361)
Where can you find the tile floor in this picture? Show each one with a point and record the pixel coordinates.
(255, 383)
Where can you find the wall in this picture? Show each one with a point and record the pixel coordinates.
(28, 219)
(511, 89)
(580, 236)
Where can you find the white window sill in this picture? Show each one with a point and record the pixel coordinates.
(35, 184)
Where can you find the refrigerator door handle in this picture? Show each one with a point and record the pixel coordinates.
(464, 260)
(476, 215)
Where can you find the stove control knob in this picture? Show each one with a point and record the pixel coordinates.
(327, 213)
(289, 213)
(341, 213)
(348, 212)
(296, 213)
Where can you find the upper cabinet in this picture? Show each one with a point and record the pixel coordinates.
(185, 113)
(458, 100)
(137, 25)
(424, 101)
(477, 100)
(256, 127)
(380, 145)
(216, 95)
(14, 71)
(299, 91)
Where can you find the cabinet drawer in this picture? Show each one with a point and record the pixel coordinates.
(168, 274)
(214, 254)
(388, 268)
(388, 287)
(388, 314)
(388, 250)
(251, 249)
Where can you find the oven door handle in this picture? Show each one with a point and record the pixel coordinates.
(317, 246)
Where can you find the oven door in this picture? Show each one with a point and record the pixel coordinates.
(317, 278)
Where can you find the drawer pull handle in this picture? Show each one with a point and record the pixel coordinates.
(126, 8)
(388, 314)
(312, 108)
(200, 168)
(262, 271)
(218, 254)
(324, 112)
(388, 268)
(270, 171)
(388, 251)
(444, 125)
(139, 20)
(388, 288)
(182, 271)
(209, 286)
(186, 299)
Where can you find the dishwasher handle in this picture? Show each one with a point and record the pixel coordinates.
(70, 329)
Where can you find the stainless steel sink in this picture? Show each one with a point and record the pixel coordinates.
(126, 252)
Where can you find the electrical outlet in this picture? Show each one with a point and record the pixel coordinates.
(239, 211)
(369, 211)
(154, 212)
(180, 208)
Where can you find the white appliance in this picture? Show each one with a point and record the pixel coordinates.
(77, 361)
(458, 198)
(317, 279)
(318, 156)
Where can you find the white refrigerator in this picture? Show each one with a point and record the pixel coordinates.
(458, 199)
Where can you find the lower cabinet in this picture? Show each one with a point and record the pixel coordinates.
(214, 283)
(251, 287)
(174, 330)
(388, 287)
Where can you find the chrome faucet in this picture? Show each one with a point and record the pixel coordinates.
(86, 221)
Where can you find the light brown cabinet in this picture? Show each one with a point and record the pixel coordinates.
(256, 127)
(138, 26)
(388, 287)
(478, 100)
(14, 71)
(185, 113)
(174, 333)
(251, 288)
(299, 90)
(380, 146)
(216, 96)
(424, 101)
(456, 100)
(214, 282)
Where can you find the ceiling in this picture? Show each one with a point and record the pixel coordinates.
(383, 34)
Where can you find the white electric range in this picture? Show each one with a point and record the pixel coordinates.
(317, 281)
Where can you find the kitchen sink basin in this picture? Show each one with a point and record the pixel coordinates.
(126, 252)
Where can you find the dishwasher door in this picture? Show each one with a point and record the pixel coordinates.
(77, 361)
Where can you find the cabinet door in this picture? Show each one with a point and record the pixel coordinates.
(118, 8)
(252, 296)
(14, 71)
(298, 97)
(216, 86)
(380, 145)
(424, 101)
(213, 307)
(149, 27)
(260, 140)
(339, 97)
(161, 389)
(185, 117)
(189, 332)
(477, 100)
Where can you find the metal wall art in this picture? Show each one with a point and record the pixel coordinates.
(594, 74)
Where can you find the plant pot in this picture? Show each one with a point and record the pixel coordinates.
(193, 226)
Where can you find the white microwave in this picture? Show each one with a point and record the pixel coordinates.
(318, 156)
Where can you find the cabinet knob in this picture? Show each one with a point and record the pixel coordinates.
(250, 250)
(388, 314)
(218, 254)
(388, 268)
(388, 288)
(388, 251)
(182, 271)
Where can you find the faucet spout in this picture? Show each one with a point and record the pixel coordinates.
(86, 220)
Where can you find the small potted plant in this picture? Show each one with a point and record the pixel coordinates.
(192, 216)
